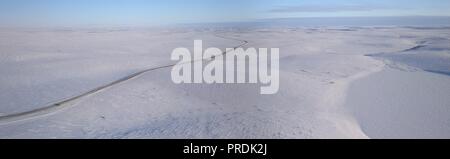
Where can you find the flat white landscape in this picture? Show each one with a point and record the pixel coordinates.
(335, 82)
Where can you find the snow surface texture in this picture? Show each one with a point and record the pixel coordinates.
(317, 66)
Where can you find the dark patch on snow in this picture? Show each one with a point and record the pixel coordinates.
(414, 48)
(439, 72)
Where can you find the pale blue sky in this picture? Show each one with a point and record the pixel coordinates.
(150, 12)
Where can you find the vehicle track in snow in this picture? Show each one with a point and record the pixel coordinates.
(55, 107)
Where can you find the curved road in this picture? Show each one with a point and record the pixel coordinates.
(52, 108)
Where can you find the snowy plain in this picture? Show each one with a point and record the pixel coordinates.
(335, 82)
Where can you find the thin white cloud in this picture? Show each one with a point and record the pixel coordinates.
(327, 8)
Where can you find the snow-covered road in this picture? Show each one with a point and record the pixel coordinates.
(52, 108)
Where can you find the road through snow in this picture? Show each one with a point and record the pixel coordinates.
(5, 119)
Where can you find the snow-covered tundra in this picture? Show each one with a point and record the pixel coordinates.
(347, 82)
